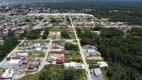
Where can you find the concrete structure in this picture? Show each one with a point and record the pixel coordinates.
(102, 64)
(8, 74)
(73, 65)
(98, 73)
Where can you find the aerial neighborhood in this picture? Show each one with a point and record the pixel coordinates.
(60, 45)
(50, 40)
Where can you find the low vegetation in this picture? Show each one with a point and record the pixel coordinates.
(34, 34)
(57, 72)
(123, 54)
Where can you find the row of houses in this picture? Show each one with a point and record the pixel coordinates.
(90, 50)
(74, 65)
(33, 46)
(7, 74)
(23, 59)
(97, 72)
(55, 59)
(16, 24)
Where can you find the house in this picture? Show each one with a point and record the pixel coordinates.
(32, 67)
(51, 61)
(39, 49)
(92, 52)
(70, 52)
(68, 29)
(1, 75)
(102, 64)
(58, 35)
(8, 74)
(19, 55)
(56, 47)
(11, 64)
(89, 47)
(73, 65)
(5, 32)
(26, 61)
(60, 59)
(98, 73)
(24, 55)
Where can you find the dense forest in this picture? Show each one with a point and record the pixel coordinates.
(122, 51)
(125, 11)
(8, 45)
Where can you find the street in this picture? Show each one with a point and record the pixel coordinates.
(81, 52)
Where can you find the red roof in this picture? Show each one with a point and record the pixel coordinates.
(59, 61)
(56, 47)
(1, 74)
(60, 57)
(31, 66)
(26, 61)
(69, 29)
(31, 57)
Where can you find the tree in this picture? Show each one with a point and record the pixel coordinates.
(65, 34)
(71, 47)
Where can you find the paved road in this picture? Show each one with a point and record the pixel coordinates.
(46, 54)
(81, 52)
(42, 63)
(36, 27)
(60, 14)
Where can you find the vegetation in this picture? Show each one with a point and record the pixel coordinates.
(72, 47)
(45, 34)
(30, 77)
(111, 32)
(57, 72)
(123, 54)
(52, 72)
(65, 34)
(74, 74)
(136, 31)
(126, 11)
(34, 34)
(76, 57)
(10, 42)
(23, 35)
(55, 29)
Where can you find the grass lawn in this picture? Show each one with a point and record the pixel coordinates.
(41, 55)
(72, 35)
(74, 74)
(55, 29)
(104, 74)
(1, 38)
(73, 57)
(92, 61)
(37, 54)
(54, 52)
(57, 72)
(58, 41)
(30, 77)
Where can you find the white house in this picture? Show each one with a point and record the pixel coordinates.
(102, 64)
(23, 54)
(98, 73)
(73, 65)
(8, 74)
(13, 63)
